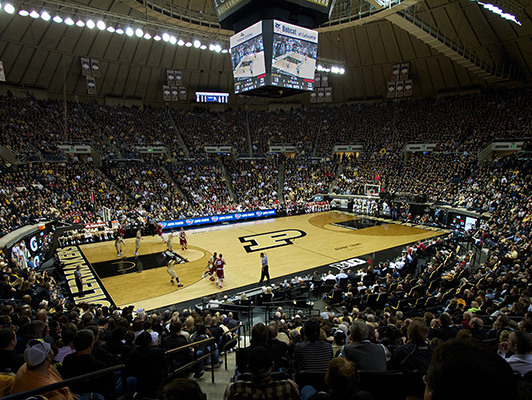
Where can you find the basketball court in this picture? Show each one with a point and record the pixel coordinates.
(294, 245)
(295, 64)
(250, 66)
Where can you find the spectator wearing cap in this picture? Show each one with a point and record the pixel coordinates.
(312, 354)
(38, 371)
(261, 386)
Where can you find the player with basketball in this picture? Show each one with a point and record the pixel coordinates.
(219, 263)
(172, 273)
(210, 268)
(183, 239)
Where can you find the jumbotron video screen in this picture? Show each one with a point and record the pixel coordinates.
(295, 50)
(247, 57)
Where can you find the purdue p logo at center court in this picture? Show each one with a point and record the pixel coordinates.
(270, 240)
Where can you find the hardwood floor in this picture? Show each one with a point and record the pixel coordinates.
(292, 244)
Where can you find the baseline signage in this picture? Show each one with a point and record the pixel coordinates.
(213, 219)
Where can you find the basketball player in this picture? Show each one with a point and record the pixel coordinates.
(210, 268)
(172, 273)
(159, 230)
(183, 239)
(138, 238)
(169, 240)
(119, 244)
(219, 263)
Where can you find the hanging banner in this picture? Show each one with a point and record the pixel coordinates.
(95, 68)
(317, 80)
(167, 94)
(405, 67)
(313, 96)
(324, 80)
(175, 92)
(85, 67)
(328, 94)
(399, 88)
(91, 85)
(321, 95)
(178, 78)
(170, 77)
(396, 68)
(408, 87)
(391, 90)
(2, 72)
(182, 93)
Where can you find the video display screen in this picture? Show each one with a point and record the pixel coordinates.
(295, 50)
(247, 57)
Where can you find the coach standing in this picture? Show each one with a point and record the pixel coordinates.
(265, 272)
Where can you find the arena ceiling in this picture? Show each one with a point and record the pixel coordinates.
(449, 45)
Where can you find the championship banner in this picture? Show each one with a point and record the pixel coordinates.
(313, 96)
(324, 80)
(175, 92)
(391, 90)
(182, 93)
(170, 77)
(399, 89)
(328, 94)
(405, 67)
(178, 78)
(408, 87)
(321, 95)
(167, 94)
(396, 69)
(85, 67)
(2, 72)
(317, 80)
(95, 68)
(91, 85)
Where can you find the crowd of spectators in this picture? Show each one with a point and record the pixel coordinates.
(256, 181)
(304, 179)
(433, 299)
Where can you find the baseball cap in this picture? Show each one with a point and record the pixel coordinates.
(36, 351)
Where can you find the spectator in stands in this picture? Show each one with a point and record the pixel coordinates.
(463, 370)
(365, 354)
(10, 360)
(182, 388)
(261, 385)
(342, 382)
(312, 354)
(520, 343)
(416, 354)
(38, 371)
(147, 364)
(445, 329)
(83, 362)
(259, 337)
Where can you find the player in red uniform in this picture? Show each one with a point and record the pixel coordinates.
(183, 239)
(219, 263)
(159, 230)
